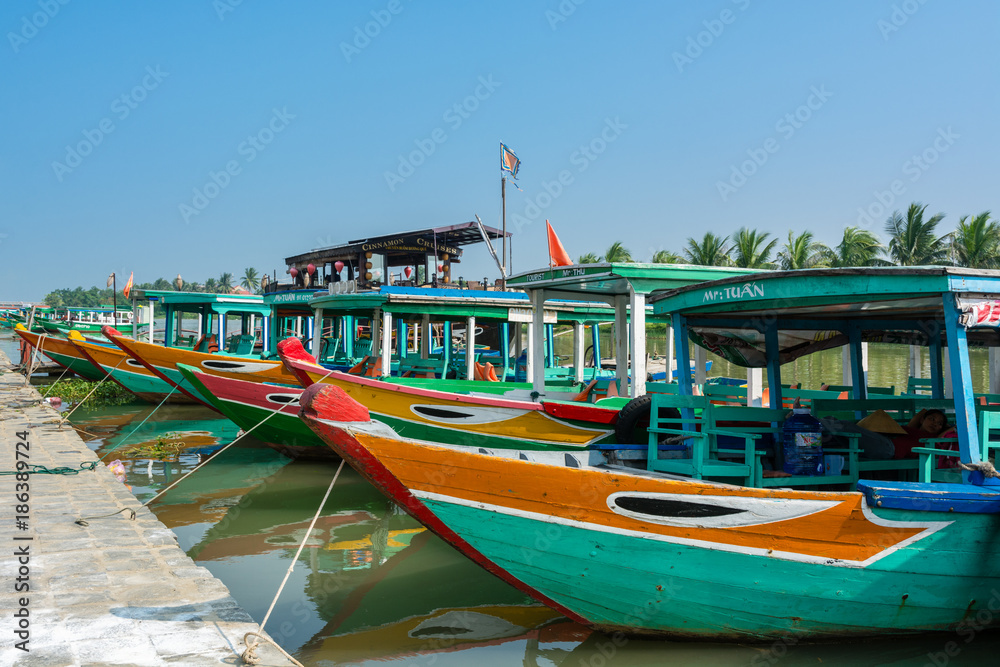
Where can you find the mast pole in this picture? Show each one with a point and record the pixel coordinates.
(114, 301)
(503, 205)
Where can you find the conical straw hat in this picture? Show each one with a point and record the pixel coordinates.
(880, 422)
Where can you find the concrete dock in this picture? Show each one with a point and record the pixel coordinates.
(116, 592)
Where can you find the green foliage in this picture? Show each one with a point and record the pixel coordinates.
(667, 257)
(75, 390)
(976, 242)
(912, 240)
(710, 251)
(251, 280)
(858, 247)
(166, 448)
(589, 258)
(618, 253)
(752, 250)
(802, 252)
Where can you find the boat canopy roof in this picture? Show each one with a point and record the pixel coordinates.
(816, 309)
(604, 282)
(452, 304)
(192, 302)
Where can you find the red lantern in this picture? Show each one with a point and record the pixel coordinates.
(294, 272)
(310, 268)
(408, 271)
(339, 266)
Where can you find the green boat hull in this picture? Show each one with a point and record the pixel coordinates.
(81, 367)
(715, 594)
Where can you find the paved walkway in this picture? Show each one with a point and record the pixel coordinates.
(117, 592)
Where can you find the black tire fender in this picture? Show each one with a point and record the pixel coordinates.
(633, 421)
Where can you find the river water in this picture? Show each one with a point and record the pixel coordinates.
(372, 586)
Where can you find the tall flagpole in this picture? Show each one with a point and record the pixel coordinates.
(503, 258)
(114, 296)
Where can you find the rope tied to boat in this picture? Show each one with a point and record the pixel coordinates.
(36, 469)
(985, 467)
(63, 418)
(114, 449)
(83, 521)
(249, 656)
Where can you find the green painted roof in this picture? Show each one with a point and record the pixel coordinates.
(218, 303)
(589, 281)
(454, 304)
(910, 292)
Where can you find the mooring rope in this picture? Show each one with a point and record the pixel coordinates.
(83, 521)
(36, 469)
(63, 418)
(111, 451)
(250, 654)
(984, 467)
(51, 386)
(198, 467)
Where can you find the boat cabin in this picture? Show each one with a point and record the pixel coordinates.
(204, 322)
(770, 319)
(428, 331)
(414, 258)
(624, 287)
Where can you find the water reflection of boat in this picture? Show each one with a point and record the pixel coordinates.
(275, 513)
(270, 411)
(422, 600)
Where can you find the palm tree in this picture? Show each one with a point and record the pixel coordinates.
(976, 242)
(250, 281)
(618, 253)
(912, 241)
(802, 252)
(667, 257)
(710, 251)
(858, 247)
(752, 249)
(225, 284)
(211, 286)
(589, 258)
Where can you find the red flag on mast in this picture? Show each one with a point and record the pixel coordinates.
(557, 253)
(128, 285)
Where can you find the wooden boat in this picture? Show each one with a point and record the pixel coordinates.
(486, 419)
(128, 372)
(162, 361)
(567, 415)
(668, 554)
(270, 412)
(87, 320)
(61, 351)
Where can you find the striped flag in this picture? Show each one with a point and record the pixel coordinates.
(128, 285)
(508, 161)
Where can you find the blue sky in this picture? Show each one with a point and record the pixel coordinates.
(645, 109)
